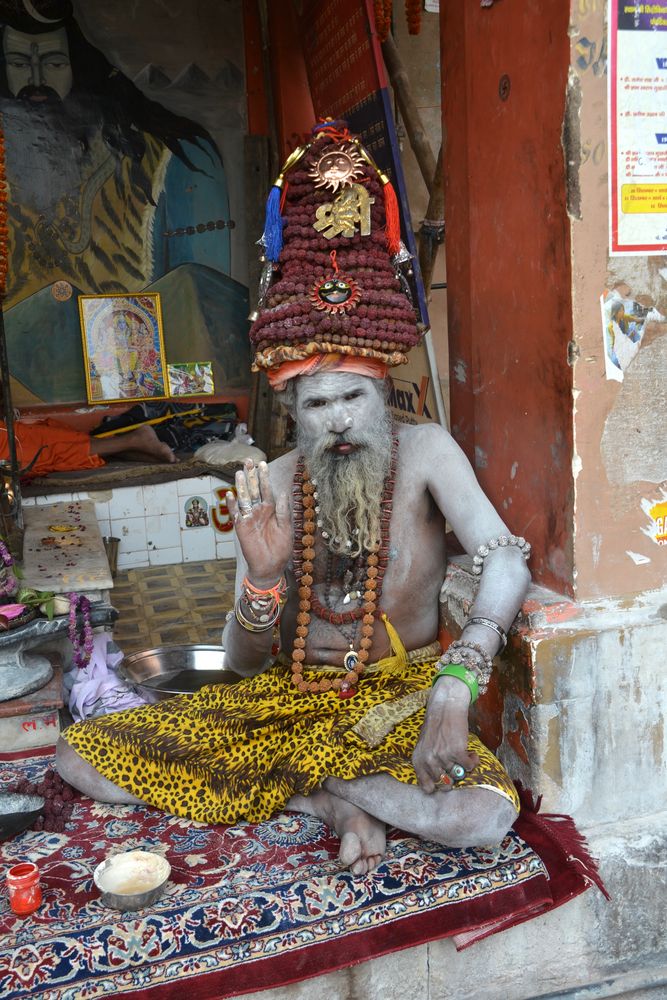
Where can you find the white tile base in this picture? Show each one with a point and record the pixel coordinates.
(150, 521)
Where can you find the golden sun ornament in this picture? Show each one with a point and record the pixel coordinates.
(338, 167)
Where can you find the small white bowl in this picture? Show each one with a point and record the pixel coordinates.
(132, 880)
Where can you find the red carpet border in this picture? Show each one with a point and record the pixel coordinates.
(250, 907)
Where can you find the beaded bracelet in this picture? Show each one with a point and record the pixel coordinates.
(503, 541)
(494, 626)
(470, 653)
(463, 674)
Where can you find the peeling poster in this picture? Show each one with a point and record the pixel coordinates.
(656, 511)
(623, 325)
(638, 127)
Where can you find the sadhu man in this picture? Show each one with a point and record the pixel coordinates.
(361, 720)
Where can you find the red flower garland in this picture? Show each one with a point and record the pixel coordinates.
(413, 14)
(383, 9)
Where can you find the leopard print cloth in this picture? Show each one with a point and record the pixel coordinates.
(238, 752)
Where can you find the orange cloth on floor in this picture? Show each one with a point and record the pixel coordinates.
(64, 448)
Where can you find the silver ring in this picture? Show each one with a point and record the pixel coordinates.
(255, 502)
(458, 772)
(245, 509)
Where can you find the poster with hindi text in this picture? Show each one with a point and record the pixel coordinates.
(638, 127)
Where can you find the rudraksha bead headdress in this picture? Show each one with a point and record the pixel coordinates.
(334, 291)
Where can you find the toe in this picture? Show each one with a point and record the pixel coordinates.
(350, 853)
(359, 867)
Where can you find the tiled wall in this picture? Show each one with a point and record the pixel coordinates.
(152, 521)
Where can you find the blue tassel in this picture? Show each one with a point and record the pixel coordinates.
(273, 226)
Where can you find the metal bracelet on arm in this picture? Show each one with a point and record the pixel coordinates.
(494, 626)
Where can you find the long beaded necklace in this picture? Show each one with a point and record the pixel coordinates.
(305, 528)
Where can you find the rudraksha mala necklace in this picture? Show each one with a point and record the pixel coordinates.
(305, 528)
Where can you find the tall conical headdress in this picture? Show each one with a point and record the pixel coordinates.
(334, 288)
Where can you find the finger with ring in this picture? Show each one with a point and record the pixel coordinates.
(245, 509)
(444, 780)
(243, 497)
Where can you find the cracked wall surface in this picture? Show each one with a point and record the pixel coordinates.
(620, 449)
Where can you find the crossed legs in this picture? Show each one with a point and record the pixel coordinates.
(358, 810)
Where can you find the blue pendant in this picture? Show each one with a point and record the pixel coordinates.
(350, 660)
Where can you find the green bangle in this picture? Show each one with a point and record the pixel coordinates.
(464, 674)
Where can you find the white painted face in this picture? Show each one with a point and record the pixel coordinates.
(37, 61)
(338, 403)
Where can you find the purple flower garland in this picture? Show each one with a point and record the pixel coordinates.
(9, 584)
(82, 650)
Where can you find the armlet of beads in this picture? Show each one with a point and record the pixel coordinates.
(503, 541)
(463, 674)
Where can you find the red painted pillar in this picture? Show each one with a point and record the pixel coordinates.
(504, 84)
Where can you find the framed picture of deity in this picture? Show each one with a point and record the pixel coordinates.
(123, 347)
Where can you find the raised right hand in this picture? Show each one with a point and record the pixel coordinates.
(263, 526)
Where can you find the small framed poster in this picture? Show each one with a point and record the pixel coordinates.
(191, 378)
(123, 347)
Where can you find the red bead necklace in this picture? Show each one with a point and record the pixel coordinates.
(305, 528)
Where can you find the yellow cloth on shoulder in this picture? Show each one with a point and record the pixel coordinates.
(238, 752)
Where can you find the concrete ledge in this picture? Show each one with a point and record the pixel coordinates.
(577, 705)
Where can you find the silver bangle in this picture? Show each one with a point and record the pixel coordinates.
(503, 541)
(489, 623)
(249, 626)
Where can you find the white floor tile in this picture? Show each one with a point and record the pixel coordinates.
(192, 487)
(197, 544)
(127, 502)
(133, 560)
(163, 532)
(132, 534)
(161, 498)
(104, 526)
(165, 557)
(225, 549)
(102, 511)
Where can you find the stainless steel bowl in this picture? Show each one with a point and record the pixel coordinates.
(134, 861)
(179, 669)
(18, 812)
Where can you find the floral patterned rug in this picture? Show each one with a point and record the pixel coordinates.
(256, 906)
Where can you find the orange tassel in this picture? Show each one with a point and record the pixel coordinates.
(393, 219)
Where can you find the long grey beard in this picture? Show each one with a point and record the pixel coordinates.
(349, 487)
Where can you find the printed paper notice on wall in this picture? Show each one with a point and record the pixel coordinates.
(623, 325)
(638, 127)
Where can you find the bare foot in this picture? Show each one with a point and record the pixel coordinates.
(142, 442)
(148, 442)
(362, 837)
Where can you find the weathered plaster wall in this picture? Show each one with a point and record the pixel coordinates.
(620, 451)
